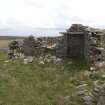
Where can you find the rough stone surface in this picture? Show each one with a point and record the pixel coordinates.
(87, 100)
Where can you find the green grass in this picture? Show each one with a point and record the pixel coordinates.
(36, 84)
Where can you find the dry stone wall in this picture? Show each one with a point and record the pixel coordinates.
(95, 52)
(89, 41)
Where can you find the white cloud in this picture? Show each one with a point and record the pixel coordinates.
(51, 13)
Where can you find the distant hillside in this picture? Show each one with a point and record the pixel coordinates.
(5, 40)
(11, 37)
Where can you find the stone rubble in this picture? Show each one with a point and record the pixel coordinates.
(49, 59)
(93, 96)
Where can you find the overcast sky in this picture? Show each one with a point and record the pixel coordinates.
(51, 13)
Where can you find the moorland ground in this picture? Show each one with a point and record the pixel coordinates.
(39, 84)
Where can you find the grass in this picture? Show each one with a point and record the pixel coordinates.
(37, 84)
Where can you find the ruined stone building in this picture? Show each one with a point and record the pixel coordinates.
(88, 43)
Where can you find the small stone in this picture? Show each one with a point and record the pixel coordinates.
(87, 73)
(41, 62)
(96, 83)
(21, 55)
(92, 68)
(58, 59)
(6, 61)
(103, 76)
(25, 61)
(30, 59)
(96, 90)
(100, 48)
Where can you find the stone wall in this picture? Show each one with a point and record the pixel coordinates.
(95, 52)
(88, 42)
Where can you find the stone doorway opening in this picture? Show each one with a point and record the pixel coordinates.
(75, 45)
